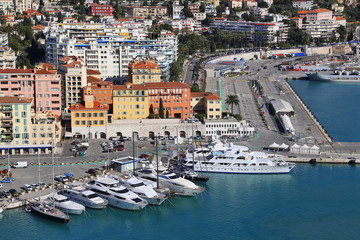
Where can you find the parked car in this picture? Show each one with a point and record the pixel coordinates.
(3, 195)
(92, 171)
(14, 193)
(75, 142)
(144, 156)
(61, 178)
(119, 149)
(141, 139)
(73, 149)
(1, 186)
(108, 150)
(27, 187)
(5, 171)
(171, 138)
(43, 185)
(113, 138)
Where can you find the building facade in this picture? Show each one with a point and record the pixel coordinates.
(130, 101)
(89, 114)
(206, 103)
(145, 11)
(102, 92)
(42, 85)
(145, 71)
(229, 128)
(175, 97)
(101, 10)
(303, 4)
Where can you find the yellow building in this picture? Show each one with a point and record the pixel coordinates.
(206, 103)
(130, 101)
(144, 72)
(214, 2)
(89, 114)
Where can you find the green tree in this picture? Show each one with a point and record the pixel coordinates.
(167, 114)
(195, 88)
(232, 100)
(263, 5)
(161, 109)
(342, 31)
(60, 17)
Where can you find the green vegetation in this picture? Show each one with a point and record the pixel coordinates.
(284, 7)
(161, 109)
(195, 88)
(232, 100)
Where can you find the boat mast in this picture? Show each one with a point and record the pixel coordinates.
(53, 170)
(193, 140)
(39, 173)
(157, 163)
(8, 172)
(133, 137)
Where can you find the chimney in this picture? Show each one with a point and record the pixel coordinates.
(25, 67)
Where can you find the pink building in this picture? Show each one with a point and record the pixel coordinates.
(43, 86)
(298, 21)
(319, 14)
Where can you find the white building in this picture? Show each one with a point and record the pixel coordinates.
(22, 5)
(109, 48)
(177, 10)
(6, 7)
(303, 4)
(228, 127)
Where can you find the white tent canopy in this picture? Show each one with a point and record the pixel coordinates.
(314, 150)
(305, 149)
(295, 148)
(274, 145)
(284, 146)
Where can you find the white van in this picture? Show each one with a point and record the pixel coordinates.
(20, 165)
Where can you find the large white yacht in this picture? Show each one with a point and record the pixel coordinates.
(87, 198)
(145, 191)
(66, 205)
(237, 159)
(176, 184)
(117, 195)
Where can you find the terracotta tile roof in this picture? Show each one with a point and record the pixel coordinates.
(296, 18)
(38, 27)
(99, 5)
(340, 18)
(303, 12)
(206, 95)
(319, 10)
(49, 66)
(123, 20)
(67, 58)
(93, 72)
(133, 87)
(75, 64)
(43, 71)
(16, 70)
(91, 79)
(97, 106)
(143, 65)
(167, 85)
(8, 99)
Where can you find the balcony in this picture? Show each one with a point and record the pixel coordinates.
(6, 118)
(6, 109)
(6, 139)
(6, 124)
(6, 131)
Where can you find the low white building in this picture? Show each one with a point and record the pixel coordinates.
(228, 127)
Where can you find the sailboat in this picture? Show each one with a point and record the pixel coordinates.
(42, 208)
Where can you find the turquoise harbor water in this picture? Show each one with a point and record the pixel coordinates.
(313, 202)
(335, 105)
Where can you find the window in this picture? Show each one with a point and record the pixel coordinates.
(101, 122)
(77, 115)
(95, 122)
(77, 122)
(95, 114)
(101, 114)
(83, 115)
(83, 122)
(89, 123)
(89, 115)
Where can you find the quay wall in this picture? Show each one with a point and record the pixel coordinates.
(323, 160)
(309, 113)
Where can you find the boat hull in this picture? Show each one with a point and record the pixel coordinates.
(122, 204)
(183, 191)
(155, 201)
(54, 216)
(88, 204)
(70, 210)
(249, 170)
(333, 78)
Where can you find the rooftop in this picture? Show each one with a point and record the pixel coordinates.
(8, 99)
(145, 64)
(97, 106)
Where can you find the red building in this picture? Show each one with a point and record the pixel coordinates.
(101, 10)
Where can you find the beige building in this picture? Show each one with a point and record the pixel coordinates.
(22, 5)
(7, 58)
(206, 103)
(144, 72)
(74, 77)
(214, 2)
(235, 3)
(23, 132)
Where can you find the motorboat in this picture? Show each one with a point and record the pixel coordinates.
(67, 206)
(176, 184)
(85, 197)
(241, 161)
(144, 190)
(47, 211)
(189, 174)
(117, 195)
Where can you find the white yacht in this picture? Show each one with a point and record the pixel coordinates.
(87, 198)
(144, 190)
(117, 195)
(238, 160)
(65, 205)
(176, 184)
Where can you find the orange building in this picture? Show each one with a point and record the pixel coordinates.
(102, 92)
(175, 96)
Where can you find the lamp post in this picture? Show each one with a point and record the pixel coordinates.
(89, 125)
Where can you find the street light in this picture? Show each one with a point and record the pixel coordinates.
(89, 125)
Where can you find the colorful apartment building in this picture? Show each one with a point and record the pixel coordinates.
(206, 103)
(102, 92)
(23, 131)
(145, 71)
(42, 85)
(145, 11)
(101, 10)
(175, 97)
(130, 101)
(89, 114)
(74, 78)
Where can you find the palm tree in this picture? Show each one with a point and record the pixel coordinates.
(232, 100)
